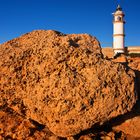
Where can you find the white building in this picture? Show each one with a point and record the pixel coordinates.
(118, 31)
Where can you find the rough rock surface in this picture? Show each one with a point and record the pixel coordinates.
(13, 126)
(63, 82)
(131, 123)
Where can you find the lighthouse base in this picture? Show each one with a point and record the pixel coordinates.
(118, 51)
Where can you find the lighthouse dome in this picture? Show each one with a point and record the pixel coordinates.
(119, 11)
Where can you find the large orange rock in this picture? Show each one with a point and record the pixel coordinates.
(63, 81)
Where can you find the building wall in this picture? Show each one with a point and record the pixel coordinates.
(133, 49)
(108, 51)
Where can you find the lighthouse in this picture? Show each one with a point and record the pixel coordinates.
(118, 31)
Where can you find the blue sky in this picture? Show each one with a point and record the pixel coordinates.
(69, 16)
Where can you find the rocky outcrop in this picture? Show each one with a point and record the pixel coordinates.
(62, 81)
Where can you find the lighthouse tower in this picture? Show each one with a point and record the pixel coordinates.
(118, 31)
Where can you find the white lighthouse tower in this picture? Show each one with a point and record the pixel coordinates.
(118, 31)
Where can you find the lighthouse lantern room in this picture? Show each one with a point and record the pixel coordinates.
(118, 31)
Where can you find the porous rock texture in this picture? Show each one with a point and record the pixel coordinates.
(62, 81)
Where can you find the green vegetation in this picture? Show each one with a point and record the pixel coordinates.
(134, 55)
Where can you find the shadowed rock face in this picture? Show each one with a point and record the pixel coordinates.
(63, 82)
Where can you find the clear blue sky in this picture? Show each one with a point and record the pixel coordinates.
(68, 16)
